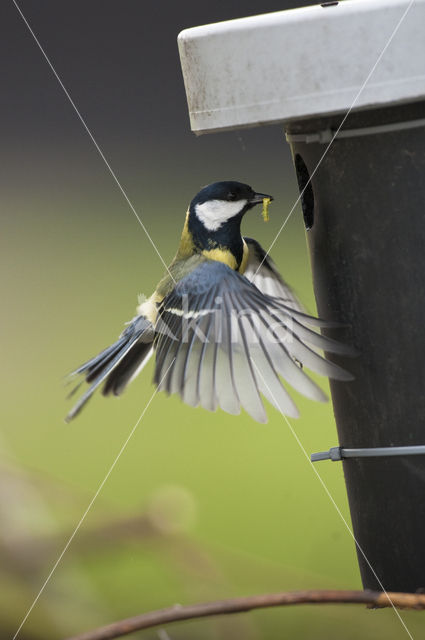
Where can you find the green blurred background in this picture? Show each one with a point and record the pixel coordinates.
(200, 506)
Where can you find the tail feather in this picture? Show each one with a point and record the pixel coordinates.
(127, 369)
(91, 365)
(116, 365)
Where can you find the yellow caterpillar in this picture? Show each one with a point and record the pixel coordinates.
(265, 211)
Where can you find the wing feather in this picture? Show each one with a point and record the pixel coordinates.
(166, 345)
(301, 352)
(227, 394)
(287, 367)
(206, 381)
(194, 390)
(175, 377)
(268, 381)
(245, 380)
(262, 271)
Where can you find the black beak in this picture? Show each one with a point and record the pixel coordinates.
(258, 198)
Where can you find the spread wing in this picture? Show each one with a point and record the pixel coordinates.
(262, 271)
(221, 342)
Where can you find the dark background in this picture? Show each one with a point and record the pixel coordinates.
(120, 64)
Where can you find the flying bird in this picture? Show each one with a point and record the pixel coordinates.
(223, 325)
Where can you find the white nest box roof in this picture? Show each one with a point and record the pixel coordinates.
(307, 62)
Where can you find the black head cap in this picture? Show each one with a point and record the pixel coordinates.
(230, 191)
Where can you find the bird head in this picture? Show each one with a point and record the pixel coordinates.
(225, 202)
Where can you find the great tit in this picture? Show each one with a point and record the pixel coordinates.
(222, 322)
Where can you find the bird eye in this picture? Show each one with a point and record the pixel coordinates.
(231, 196)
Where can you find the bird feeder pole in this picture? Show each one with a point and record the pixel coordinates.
(347, 80)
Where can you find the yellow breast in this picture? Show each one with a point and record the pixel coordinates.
(221, 255)
(226, 256)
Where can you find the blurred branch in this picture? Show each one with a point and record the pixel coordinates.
(29, 554)
(238, 605)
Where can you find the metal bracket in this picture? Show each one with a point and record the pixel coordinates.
(339, 453)
(326, 135)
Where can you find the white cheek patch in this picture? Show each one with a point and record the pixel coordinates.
(214, 213)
